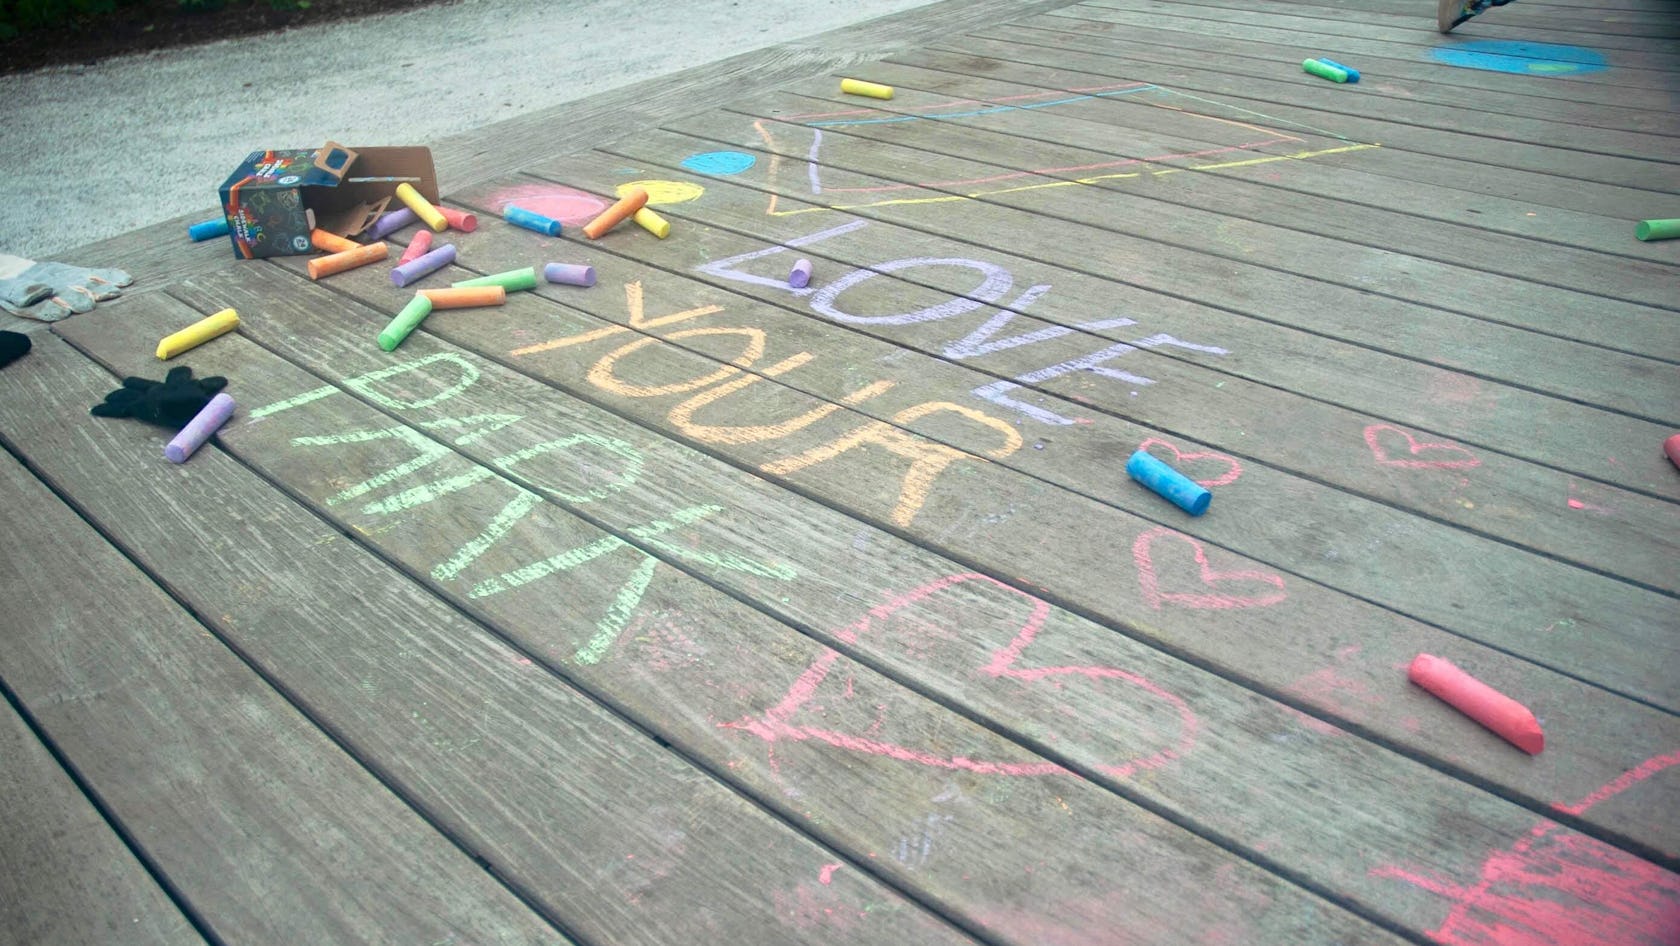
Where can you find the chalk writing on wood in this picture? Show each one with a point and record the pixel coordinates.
(1207, 588)
(1232, 469)
(1394, 447)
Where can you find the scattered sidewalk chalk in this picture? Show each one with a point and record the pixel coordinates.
(1658, 229)
(389, 223)
(1352, 73)
(417, 247)
(328, 242)
(208, 230)
(198, 333)
(1511, 720)
(1671, 446)
(459, 219)
(513, 280)
(531, 220)
(1170, 484)
(465, 297)
(1323, 71)
(800, 276)
(423, 265)
(406, 322)
(204, 423)
(614, 215)
(653, 223)
(872, 89)
(349, 259)
(571, 274)
(422, 207)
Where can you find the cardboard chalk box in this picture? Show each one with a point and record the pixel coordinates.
(275, 198)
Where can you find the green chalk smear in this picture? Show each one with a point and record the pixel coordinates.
(513, 280)
(292, 402)
(626, 477)
(618, 613)
(516, 509)
(1324, 72)
(428, 452)
(363, 384)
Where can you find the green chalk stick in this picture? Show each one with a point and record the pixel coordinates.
(513, 280)
(1324, 72)
(406, 321)
(1657, 229)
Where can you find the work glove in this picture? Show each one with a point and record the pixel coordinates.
(48, 292)
(170, 403)
(12, 347)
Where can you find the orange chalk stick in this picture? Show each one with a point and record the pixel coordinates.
(328, 242)
(465, 297)
(422, 207)
(617, 213)
(349, 259)
(1511, 720)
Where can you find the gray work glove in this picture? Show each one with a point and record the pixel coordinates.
(48, 292)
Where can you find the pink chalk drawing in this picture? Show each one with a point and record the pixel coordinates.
(1180, 458)
(1555, 887)
(825, 875)
(1418, 456)
(565, 204)
(1212, 594)
(819, 694)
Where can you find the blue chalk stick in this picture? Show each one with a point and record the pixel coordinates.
(1169, 483)
(208, 230)
(531, 220)
(1352, 74)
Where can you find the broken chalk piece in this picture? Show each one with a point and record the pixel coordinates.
(349, 259)
(417, 247)
(208, 230)
(206, 422)
(531, 220)
(614, 215)
(465, 297)
(1657, 229)
(513, 280)
(198, 333)
(800, 276)
(423, 265)
(653, 223)
(1352, 73)
(1167, 482)
(1671, 446)
(872, 89)
(571, 274)
(329, 242)
(406, 322)
(1509, 719)
(422, 207)
(1323, 71)
(390, 223)
(459, 219)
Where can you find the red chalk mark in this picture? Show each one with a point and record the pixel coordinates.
(825, 876)
(1622, 783)
(1575, 503)
(1180, 457)
(775, 724)
(1203, 599)
(565, 204)
(1421, 456)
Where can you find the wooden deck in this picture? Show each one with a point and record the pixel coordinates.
(692, 608)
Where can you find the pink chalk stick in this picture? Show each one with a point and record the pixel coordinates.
(206, 422)
(418, 247)
(572, 274)
(459, 219)
(1671, 446)
(800, 276)
(1511, 720)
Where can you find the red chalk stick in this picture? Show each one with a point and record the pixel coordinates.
(1671, 446)
(1482, 703)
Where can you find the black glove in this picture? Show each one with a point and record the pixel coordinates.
(12, 347)
(169, 403)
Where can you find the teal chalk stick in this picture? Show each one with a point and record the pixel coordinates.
(1323, 71)
(1167, 482)
(1352, 73)
(1657, 229)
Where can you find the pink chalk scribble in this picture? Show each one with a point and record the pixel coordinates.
(1234, 469)
(1004, 664)
(825, 875)
(1207, 597)
(1555, 887)
(565, 204)
(1419, 456)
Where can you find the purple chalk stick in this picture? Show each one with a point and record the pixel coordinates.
(800, 277)
(199, 429)
(427, 263)
(389, 224)
(572, 274)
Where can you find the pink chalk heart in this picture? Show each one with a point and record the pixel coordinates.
(1418, 456)
(1218, 590)
(1232, 471)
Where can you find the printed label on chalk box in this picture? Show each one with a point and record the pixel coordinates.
(273, 199)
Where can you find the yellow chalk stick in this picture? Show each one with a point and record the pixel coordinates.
(871, 89)
(422, 207)
(653, 223)
(198, 333)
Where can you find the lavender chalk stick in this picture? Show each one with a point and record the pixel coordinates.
(208, 230)
(531, 220)
(427, 263)
(1170, 484)
(800, 276)
(389, 224)
(572, 274)
(206, 422)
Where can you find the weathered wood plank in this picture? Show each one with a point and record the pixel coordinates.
(521, 571)
(264, 827)
(843, 566)
(588, 818)
(65, 877)
(1615, 29)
